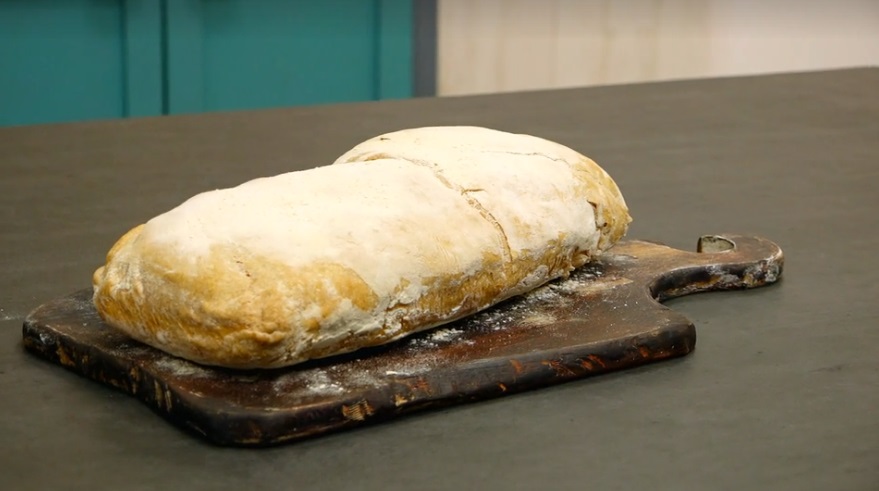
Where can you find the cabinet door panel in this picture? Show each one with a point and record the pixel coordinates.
(245, 54)
(73, 60)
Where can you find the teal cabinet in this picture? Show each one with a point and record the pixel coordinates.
(64, 60)
(234, 54)
(69, 60)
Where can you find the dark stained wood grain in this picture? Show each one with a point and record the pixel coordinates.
(605, 317)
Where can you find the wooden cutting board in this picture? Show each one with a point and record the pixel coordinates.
(605, 317)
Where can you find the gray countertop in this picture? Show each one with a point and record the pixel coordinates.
(782, 391)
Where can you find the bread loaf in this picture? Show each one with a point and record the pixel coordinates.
(405, 232)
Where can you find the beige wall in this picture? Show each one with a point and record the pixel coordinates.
(506, 45)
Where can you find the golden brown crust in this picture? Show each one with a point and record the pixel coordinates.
(188, 312)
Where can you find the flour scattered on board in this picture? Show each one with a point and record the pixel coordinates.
(439, 337)
(539, 319)
(350, 376)
(182, 368)
(445, 335)
(318, 381)
(535, 308)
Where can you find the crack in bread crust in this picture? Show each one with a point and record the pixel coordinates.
(606, 205)
(465, 193)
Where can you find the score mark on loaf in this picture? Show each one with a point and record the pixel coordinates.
(405, 232)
